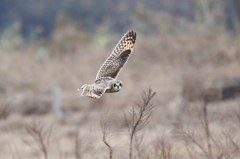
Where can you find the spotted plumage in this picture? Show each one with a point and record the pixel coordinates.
(106, 77)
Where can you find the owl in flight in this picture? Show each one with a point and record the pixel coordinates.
(106, 81)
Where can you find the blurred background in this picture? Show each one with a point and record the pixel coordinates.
(186, 51)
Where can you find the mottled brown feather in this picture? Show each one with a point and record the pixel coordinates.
(119, 56)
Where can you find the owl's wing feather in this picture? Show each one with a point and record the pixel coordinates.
(119, 56)
(93, 90)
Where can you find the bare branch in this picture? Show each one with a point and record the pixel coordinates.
(188, 136)
(81, 144)
(162, 148)
(40, 136)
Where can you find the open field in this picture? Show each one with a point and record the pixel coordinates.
(164, 62)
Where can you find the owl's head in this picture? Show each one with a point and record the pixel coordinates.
(116, 86)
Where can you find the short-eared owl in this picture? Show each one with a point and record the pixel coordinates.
(106, 81)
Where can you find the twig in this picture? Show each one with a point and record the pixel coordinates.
(163, 149)
(40, 136)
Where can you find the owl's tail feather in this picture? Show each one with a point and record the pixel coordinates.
(91, 91)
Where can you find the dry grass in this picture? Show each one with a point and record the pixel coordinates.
(173, 65)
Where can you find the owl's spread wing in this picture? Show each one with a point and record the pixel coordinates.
(93, 90)
(119, 56)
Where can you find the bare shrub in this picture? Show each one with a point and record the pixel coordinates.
(40, 136)
(139, 114)
(228, 146)
(163, 148)
(81, 145)
(233, 145)
(140, 145)
(206, 142)
(107, 131)
(189, 136)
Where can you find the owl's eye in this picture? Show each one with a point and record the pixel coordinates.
(120, 84)
(114, 85)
